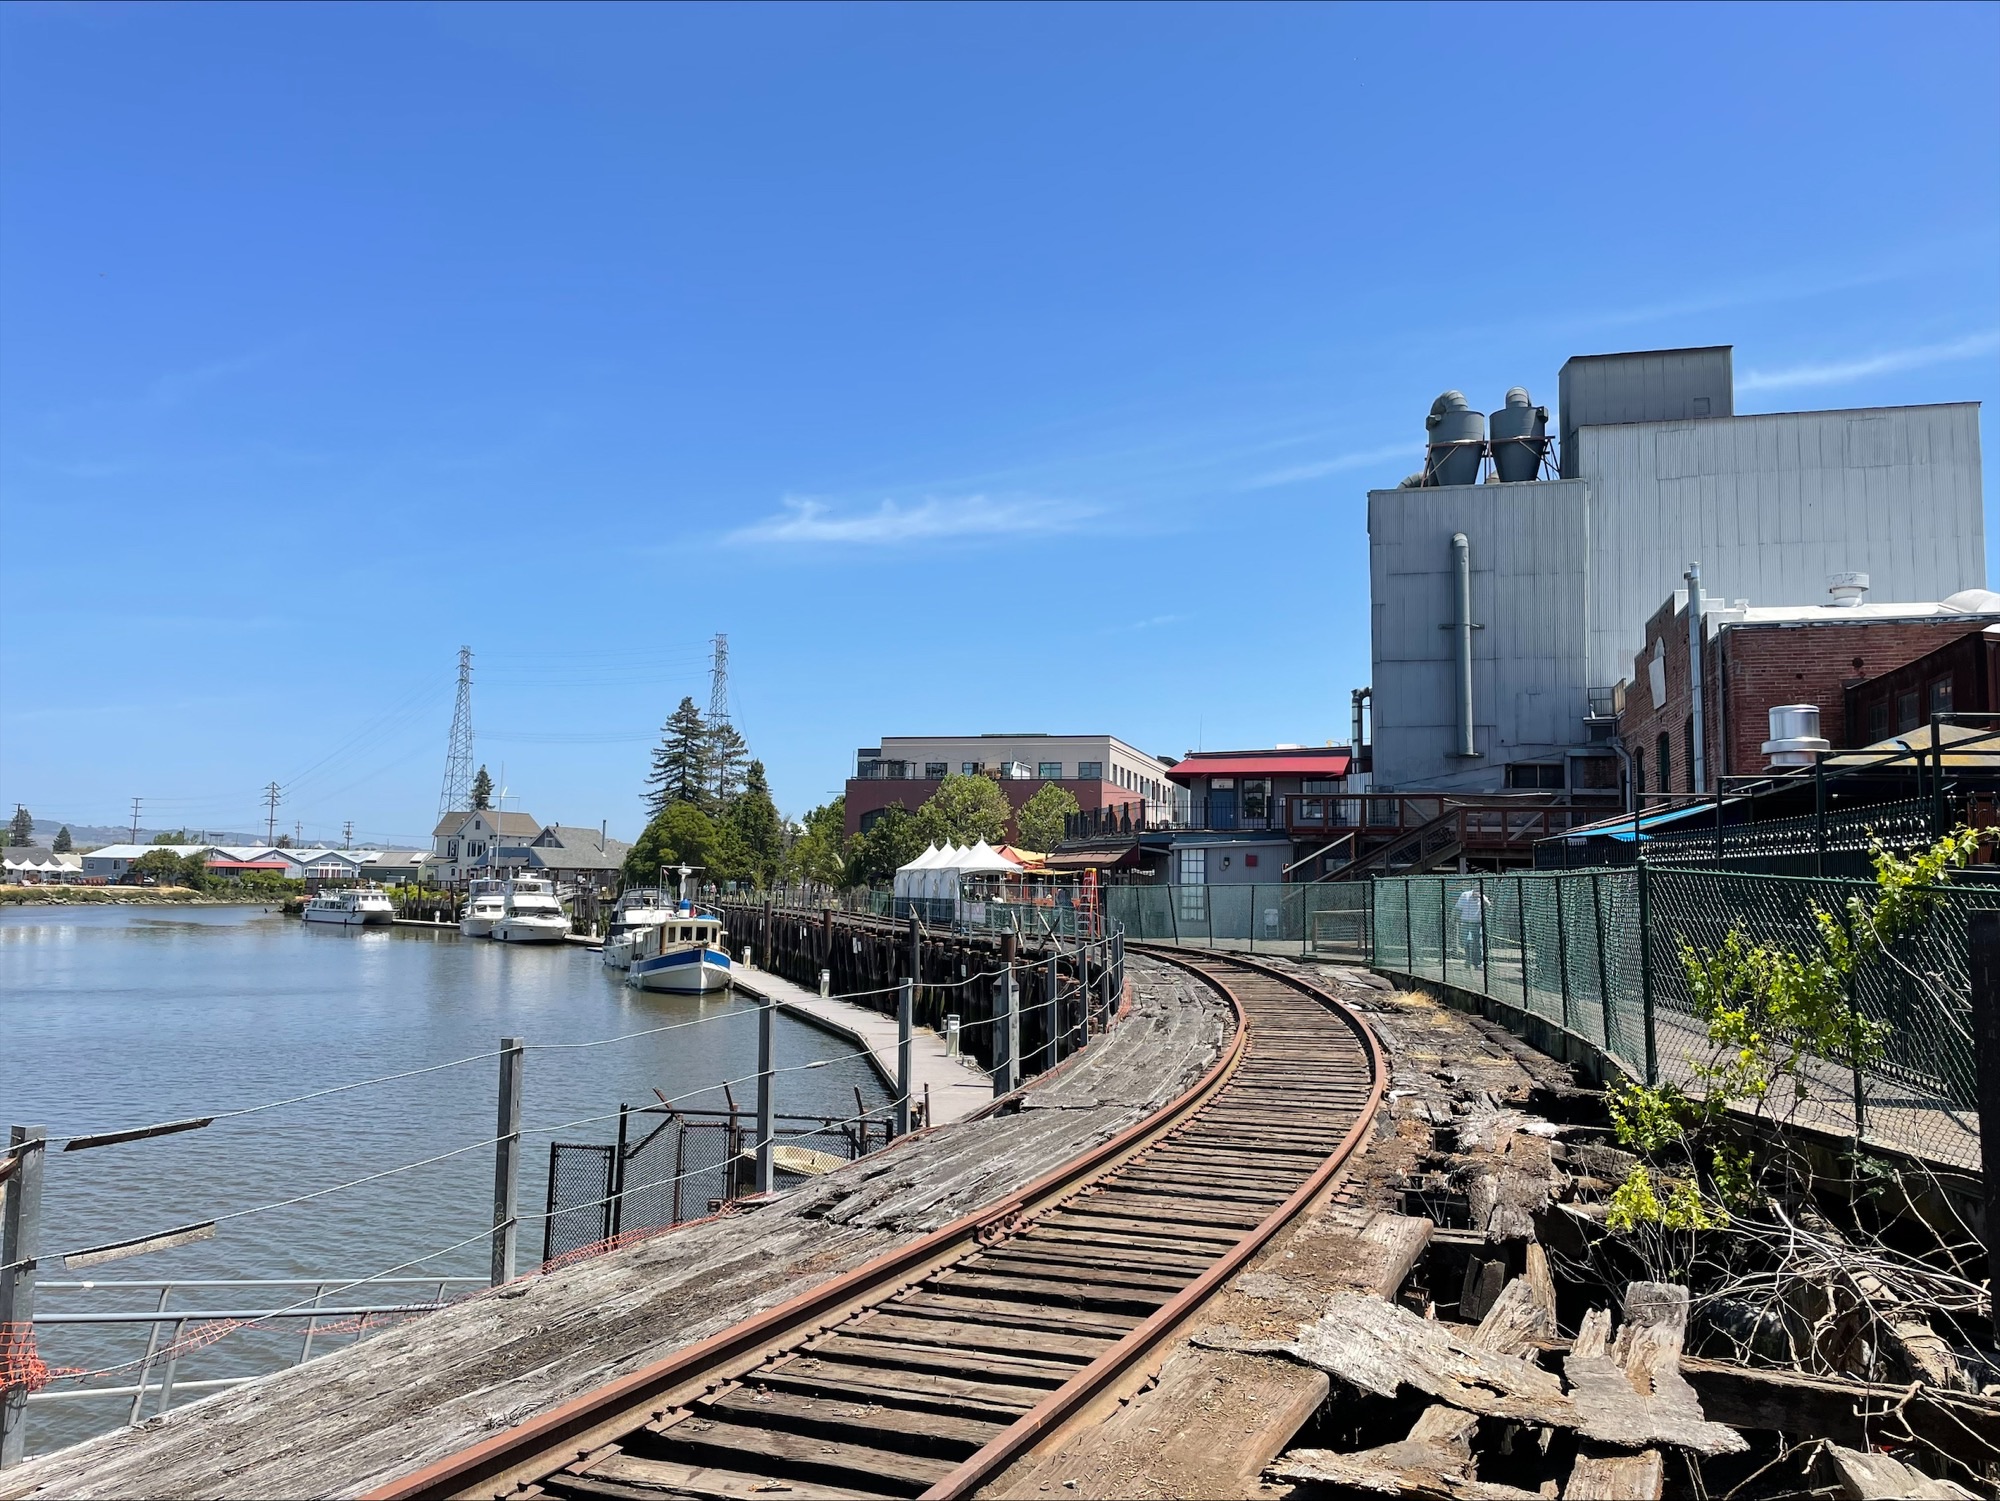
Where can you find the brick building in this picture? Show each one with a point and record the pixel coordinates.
(1100, 771)
(1960, 678)
(1755, 658)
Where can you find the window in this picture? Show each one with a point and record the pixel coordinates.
(1687, 746)
(1322, 786)
(968, 768)
(1639, 770)
(451, 849)
(1193, 885)
(1662, 763)
(1878, 719)
(1090, 771)
(1256, 797)
(936, 771)
(1049, 771)
(1906, 711)
(1535, 776)
(1941, 696)
(1222, 784)
(1194, 867)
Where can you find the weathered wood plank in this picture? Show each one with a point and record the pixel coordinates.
(1633, 1395)
(1616, 1477)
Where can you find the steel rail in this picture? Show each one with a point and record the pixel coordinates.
(1071, 1218)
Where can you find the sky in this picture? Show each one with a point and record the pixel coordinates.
(972, 368)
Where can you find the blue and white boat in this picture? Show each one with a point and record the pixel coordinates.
(683, 955)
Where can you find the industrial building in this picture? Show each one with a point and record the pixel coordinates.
(1100, 771)
(1511, 586)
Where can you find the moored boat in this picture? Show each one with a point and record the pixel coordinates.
(352, 907)
(485, 904)
(683, 955)
(638, 912)
(532, 915)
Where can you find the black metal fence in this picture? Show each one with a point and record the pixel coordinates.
(1600, 955)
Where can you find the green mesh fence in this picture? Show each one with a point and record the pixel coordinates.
(1566, 947)
(1331, 920)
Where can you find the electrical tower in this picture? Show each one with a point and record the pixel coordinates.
(272, 797)
(456, 794)
(135, 820)
(718, 681)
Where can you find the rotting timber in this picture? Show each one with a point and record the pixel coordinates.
(930, 1369)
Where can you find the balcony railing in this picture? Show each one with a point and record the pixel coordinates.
(1497, 820)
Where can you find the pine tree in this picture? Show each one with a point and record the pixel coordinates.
(482, 791)
(680, 771)
(728, 756)
(64, 844)
(22, 830)
(755, 818)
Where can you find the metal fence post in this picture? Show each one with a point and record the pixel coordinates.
(1646, 971)
(1562, 950)
(1521, 918)
(507, 1162)
(1983, 939)
(1603, 962)
(1854, 1031)
(1485, 943)
(906, 1007)
(767, 1038)
(1444, 935)
(19, 1246)
(1007, 1066)
(1819, 814)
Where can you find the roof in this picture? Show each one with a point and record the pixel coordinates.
(503, 823)
(1287, 761)
(572, 836)
(1095, 859)
(589, 857)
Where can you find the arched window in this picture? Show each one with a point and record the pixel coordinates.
(1663, 754)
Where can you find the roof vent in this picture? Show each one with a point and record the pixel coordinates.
(1795, 737)
(1847, 589)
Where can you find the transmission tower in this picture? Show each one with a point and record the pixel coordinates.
(347, 835)
(456, 795)
(135, 820)
(718, 681)
(272, 797)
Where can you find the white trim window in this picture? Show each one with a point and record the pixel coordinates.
(1191, 883)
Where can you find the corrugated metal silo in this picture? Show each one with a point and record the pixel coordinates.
(1457, 441)
(1520, 437)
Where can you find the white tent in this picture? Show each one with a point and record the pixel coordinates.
(941, 880)
(984, 860)
(912, 879)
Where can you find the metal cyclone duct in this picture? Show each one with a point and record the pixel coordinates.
(1520, 437)
(1457, 441)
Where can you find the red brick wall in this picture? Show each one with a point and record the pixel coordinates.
(1761, 666)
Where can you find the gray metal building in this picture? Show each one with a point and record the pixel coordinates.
(1656, 473)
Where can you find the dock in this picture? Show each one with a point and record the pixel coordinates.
(950, 1088)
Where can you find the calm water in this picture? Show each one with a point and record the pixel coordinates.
(114, 1017)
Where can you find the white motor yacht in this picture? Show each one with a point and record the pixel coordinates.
(485, 904)
(532, 915)
(683, 955)
(638, 911)
(352, 907)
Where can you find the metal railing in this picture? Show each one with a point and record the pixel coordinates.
(157, 1371)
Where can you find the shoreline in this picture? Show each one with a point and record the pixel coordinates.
(122, 896)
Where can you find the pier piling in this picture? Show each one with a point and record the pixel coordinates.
(19, 1245)
(507, 1162)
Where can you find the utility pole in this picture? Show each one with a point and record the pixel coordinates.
(347, 835)
(271, 800)
(135, 820)
(298, 834)
(456, 793)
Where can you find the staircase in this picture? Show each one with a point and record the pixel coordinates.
(1423, 848)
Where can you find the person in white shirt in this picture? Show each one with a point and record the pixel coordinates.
(1470, 909)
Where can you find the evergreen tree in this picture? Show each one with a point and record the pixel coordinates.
(755, 818)
(64, 844)
(964, 810)
(482, 791)
(815, 857)
(1041, 817)
(728, 759)
(680, 771)
(22, 831)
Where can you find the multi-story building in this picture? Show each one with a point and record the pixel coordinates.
(1961, 677)
(1100, 771)
(1506, 609)
(1757, 658)
(481, 842)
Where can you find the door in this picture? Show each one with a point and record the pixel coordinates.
(1222, 803)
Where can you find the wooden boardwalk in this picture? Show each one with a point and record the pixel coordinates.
(954, 1087)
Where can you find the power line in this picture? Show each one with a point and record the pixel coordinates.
(456, 792)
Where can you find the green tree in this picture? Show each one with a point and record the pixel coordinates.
(22, 830)
(1041, 817)
(680, 834)
(964, 810)
(680, 771)
(482, 790)
(64, 844)
(728, 763)
(172, 836)
(162, 866)
(754, 817)
(892, 842)
(815, 857)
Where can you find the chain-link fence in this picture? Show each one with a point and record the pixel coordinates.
(1837, 842)
(1329, 919)
(1600, 954)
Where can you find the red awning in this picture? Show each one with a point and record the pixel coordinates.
(1252, 764)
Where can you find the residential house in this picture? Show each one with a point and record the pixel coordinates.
(584, 858)
(481, 842)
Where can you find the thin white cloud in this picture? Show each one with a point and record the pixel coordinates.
(1301, 472)
(804, 519)
(1835, 372)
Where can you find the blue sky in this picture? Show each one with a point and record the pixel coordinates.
(973, 368)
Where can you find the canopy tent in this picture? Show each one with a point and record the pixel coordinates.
(984, 860)
(909, 878)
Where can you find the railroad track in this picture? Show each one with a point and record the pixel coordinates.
(929, 1370)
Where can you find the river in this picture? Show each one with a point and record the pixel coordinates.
(114, 1017)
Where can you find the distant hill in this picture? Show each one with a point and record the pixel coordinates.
(95, 834)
